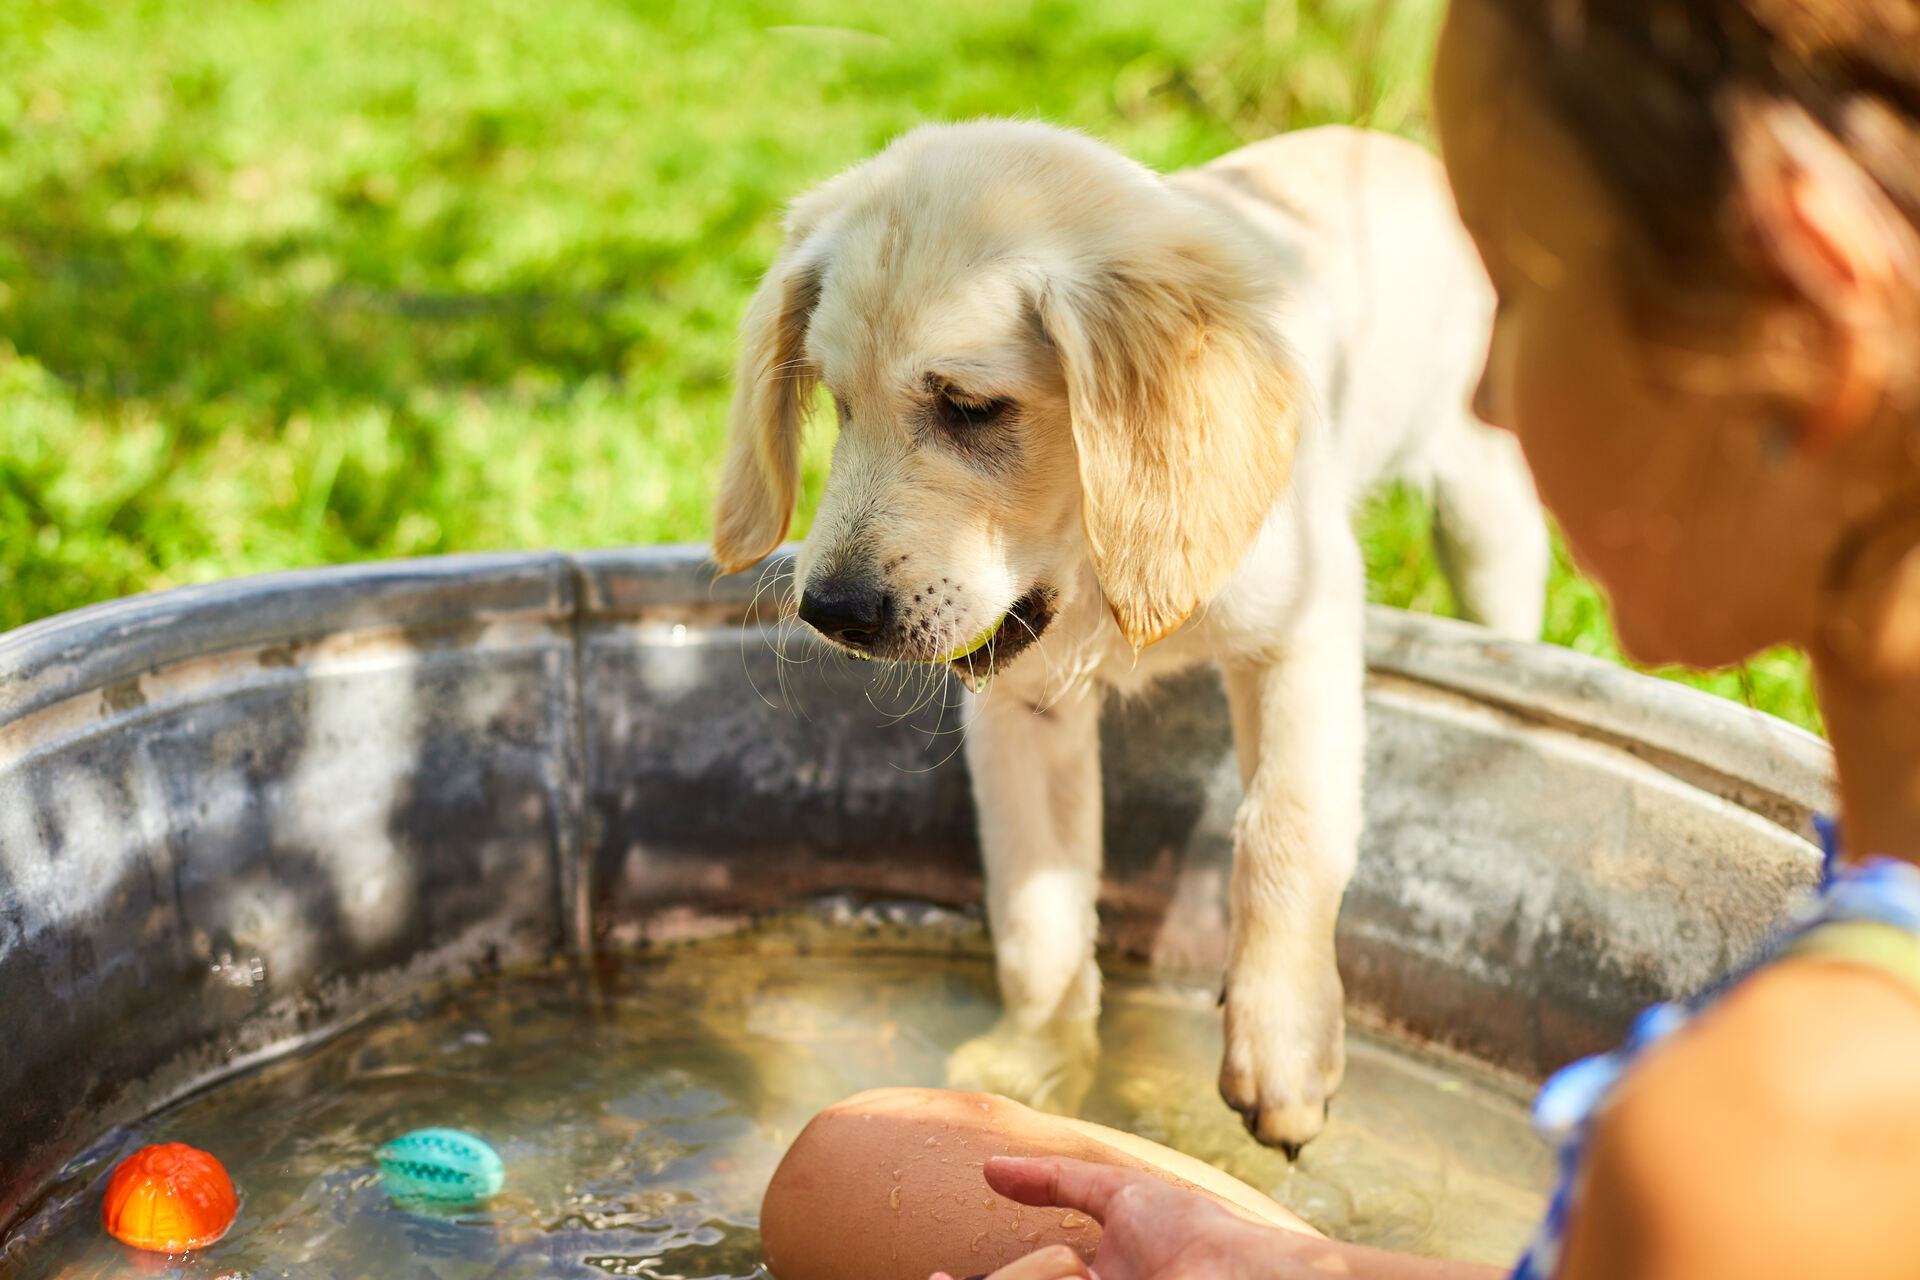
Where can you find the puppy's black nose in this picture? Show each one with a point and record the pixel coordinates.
(851, 613)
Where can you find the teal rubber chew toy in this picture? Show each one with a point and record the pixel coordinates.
(440, 1166)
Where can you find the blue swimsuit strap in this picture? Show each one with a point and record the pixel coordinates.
(1877, 890)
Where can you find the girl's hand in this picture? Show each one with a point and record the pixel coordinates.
(1153, 1230)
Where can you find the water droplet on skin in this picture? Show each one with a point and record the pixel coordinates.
(893, 1201)
(973, 1245)
(896, 1175)
(1071, 1221)
(933, 1142)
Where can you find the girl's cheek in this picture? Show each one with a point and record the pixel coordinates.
(1536, 393)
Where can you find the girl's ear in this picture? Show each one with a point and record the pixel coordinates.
(1840, 243)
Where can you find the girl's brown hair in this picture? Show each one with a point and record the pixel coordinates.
(1657, 93)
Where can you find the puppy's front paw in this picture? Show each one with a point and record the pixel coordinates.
(1285, 1053)
(1048, 1067)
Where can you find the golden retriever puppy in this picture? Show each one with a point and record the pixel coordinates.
(1094, 426)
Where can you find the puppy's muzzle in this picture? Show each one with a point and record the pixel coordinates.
(847, 612)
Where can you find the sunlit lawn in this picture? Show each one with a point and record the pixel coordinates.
(292, 282)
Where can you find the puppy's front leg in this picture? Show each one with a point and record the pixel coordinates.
(1298, 724)
(1036, 787)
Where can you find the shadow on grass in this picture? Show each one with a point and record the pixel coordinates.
(219, 343)
(132, 314)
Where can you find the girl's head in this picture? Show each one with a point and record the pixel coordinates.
(1703, 220)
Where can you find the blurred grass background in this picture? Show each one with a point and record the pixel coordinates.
(285, 282)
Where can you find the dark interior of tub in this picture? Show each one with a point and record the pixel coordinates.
(576, 853)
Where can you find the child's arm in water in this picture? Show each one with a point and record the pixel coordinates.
(889, 1184)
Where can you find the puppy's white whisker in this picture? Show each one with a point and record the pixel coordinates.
(936, 732)
(1051, 679)
(929, 677)
(770, 636)
(784, 663)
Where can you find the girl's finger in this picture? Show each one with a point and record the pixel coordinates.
(1062, 1183)
(1056, 1262)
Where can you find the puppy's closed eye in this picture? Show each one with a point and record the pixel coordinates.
(961, 412)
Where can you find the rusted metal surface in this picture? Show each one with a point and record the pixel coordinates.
(232, 817)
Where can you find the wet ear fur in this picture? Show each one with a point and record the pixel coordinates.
(773, 390)
(1185, 418)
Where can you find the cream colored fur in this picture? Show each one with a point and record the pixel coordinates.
(1204, 373)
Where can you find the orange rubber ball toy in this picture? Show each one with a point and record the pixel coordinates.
(169, 1198)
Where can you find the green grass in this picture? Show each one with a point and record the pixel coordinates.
(299, 281)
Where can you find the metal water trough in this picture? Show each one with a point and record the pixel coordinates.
(233, 817)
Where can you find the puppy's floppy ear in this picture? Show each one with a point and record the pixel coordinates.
(772, 391)
(1184, 420)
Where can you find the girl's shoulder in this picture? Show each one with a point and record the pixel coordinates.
(1771, 1123)
(1778, 1134)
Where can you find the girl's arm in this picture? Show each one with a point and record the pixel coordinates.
(1155, 1231)
(887, 1186)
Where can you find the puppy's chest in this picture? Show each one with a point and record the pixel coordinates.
(1127, 674)
(1091, 650)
